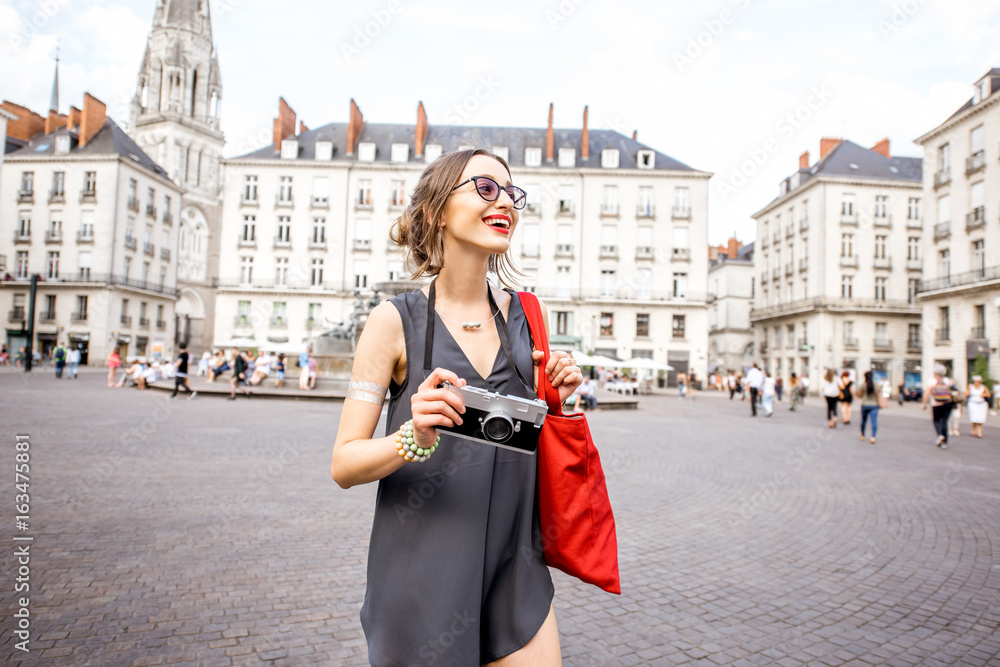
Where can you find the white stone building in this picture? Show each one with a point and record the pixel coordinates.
(838, 260)
(82, 206)
(606, 239)
(960, 296)
(730, 299)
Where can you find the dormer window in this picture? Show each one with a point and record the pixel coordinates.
(62, 144)
(532, 157)
(432, 152)
(289, 149)
(400, 153)
(366, 151)
(324, 150)
(502, 152)
(981, 91)
(609, 158)
(645, 159)
(567, 157)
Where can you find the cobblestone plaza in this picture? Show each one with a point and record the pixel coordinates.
(209, 532)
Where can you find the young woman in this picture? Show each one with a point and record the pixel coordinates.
(868, 394)
(768, 393)
(113, 363)
(846, 397)
(831, 392)
(940, 394)
(468, 553)
(979, 397)
(795, 390)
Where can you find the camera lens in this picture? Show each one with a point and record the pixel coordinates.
(498, 427)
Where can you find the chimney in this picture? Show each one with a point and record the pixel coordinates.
(635, 135)
(550, 138)
(95, 113)
(54, 121)
(827, 144)
(420, 134)
(804, 160)
(585, 138)
(74, 118)
(284, 124)
(302, 127)
(28, 123)
(733, 251)
(354, 125)
(882, 147)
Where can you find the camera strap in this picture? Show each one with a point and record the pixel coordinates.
(501, 325)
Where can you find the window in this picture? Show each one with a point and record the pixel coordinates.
(881, 333)
(529, 239)
(249, 188)
(609, 240)
(166, 207)
(58, 183)
(279, 313)
(976, 199)
(777, 336)
(980, 331)
(609, 158)
(249, 231)
(944, 323)
(83, 263)
(565, 198)
(89, 183)
(360, 274)
(398, 197)
(681, 238)
(562, 282)
(847, 205)
(284, 229)
(24, 225)
(315, 314)
(881, 288)
(567, 157)
(21, 266)
(682, 200)
(246, 270)
(52, 266)
(607, 324)
(944, 209)
(145, 272)
(642, 325)
(50, 307)
(321, 191)
(944, 263)
(610, 205)
(678, 326)
(366, 151)
(880, 246)
(913, 248)
(399, 153)
(362, 234)
(81, 308)
(502, 152)
(680, 285)
(644, 241)
(645, 208)
(645, 159)
(285, 189)
(55, 228)
(913, 336)
(364, 192)
(27, 182)
(791, 335)
(318, 231)
(163, 275)
(280, 270)
(976, 140)
(126, 267)
(132, 196)
(324, 150)
(243, 308)
(911, 290)
(979, 258)
(316, 272)
(532, 157)
(433, 152)
(881, 206)
(944, 157)
(607, 282)
(643, 283)
(395, 270)
(913, 208)
(563, 322)
(847, 287)
(847, 245)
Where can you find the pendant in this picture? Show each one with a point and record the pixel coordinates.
(471, 325)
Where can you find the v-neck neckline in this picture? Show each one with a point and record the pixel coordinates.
(465, 356)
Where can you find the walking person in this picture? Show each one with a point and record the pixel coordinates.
(767, 394)
(457, 225)
(72, 362)
(940, 394)
(831, 392)
(755, 382)
(304, 368)
(804, 384)
(239, 379)
(181, 373)
(112, 362)
(795, 391)
(978, 401)
(870, 396)
(778, 387)
(731, 382)
(59, 357)
(846, 396)
(681, 384)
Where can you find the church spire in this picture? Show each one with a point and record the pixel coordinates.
(190, 15)
(54, 98)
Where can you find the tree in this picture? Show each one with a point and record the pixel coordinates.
(982, 367)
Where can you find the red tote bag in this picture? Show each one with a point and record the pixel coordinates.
(577, 525)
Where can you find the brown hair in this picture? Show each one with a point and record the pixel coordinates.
(417, 231)
(829, 375)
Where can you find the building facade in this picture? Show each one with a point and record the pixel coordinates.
(84, 208)
(731, 284)
(605, 239)
(960, 296)
(175, 119)
(838, 260)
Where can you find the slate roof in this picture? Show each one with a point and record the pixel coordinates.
(451, 137)
(109, 140)
(854, 161)
(994, 77)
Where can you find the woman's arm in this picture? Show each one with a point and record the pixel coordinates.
(357, 457)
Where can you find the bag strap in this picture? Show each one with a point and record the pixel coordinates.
(536, 325)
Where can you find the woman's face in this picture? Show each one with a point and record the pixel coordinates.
(470, 220)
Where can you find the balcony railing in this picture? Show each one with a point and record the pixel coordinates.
(849, 261)
(850, 343)
(26, 197)
(241, 321)
(151, 210)
(609, 252)
(133, 205)
(53, 237)
(564, 250)
(942, 335)
(789, 231)
(645, 211)
(644, 252)
(532, 208)
(16, 314)
(248, 201)
(883, 345)
(764, 242)
(789, 268)
(913, 345)
(319, 202)
(279, 323)
(975, 162)
(609, 210)
(883, 220)
(246, 242)
(148, 249)
(978, 333)
(144, 322)
(984, 274)
(88, 196)
(161, 325)
(363, 244)
(914, 223)
(84, 238)
(282, 243)
(682, 254)
(849, 218)
(803, 224)
(126, 320)
(942, 229)
(975, 218)
(280, 202)
(22, 237)
(681, 213)
(942, 177)
(832, 303)
(165, 253)
(914, 265)
(46, 316)
(130, 242)
(803, 264)
(78, 317)
(168, 219)
(529, 250)
(57, 197)
(565, 208)
(317, 244)
(109, 279)
(883, 262)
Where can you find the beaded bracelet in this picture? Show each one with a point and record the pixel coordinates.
(408, 449)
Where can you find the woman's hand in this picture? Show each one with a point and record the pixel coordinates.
(432, 406)
(562, 370)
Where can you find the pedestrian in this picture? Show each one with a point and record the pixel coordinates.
(778, 387)
(681, 384)
(279, 371)
(112, 362)
(846, 396)
(755, 382)
(59, 356)
(312, 372)
(955, 416)
(602, 377)
(795, 391)
(804, 383)
(768, 393)
(181, 373)
(72, 362)
(485, 507)
(304, 368)
(203, 364)
(239, 379)
(940, 393)
(978, 398)
(869, 396)
(731, 383)
(831, 392)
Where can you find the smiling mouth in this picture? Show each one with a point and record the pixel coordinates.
(499, 223)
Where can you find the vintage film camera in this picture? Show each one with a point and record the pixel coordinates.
(510, 422)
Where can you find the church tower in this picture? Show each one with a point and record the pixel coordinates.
(175, 119)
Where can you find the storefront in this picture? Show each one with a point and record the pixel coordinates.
(80, 341)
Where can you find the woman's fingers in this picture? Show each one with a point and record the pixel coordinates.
(425, 409)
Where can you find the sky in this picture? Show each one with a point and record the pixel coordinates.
(739, 88)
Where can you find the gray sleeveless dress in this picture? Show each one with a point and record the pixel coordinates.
(456, 574)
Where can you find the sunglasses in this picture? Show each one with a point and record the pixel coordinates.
(489, 190)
